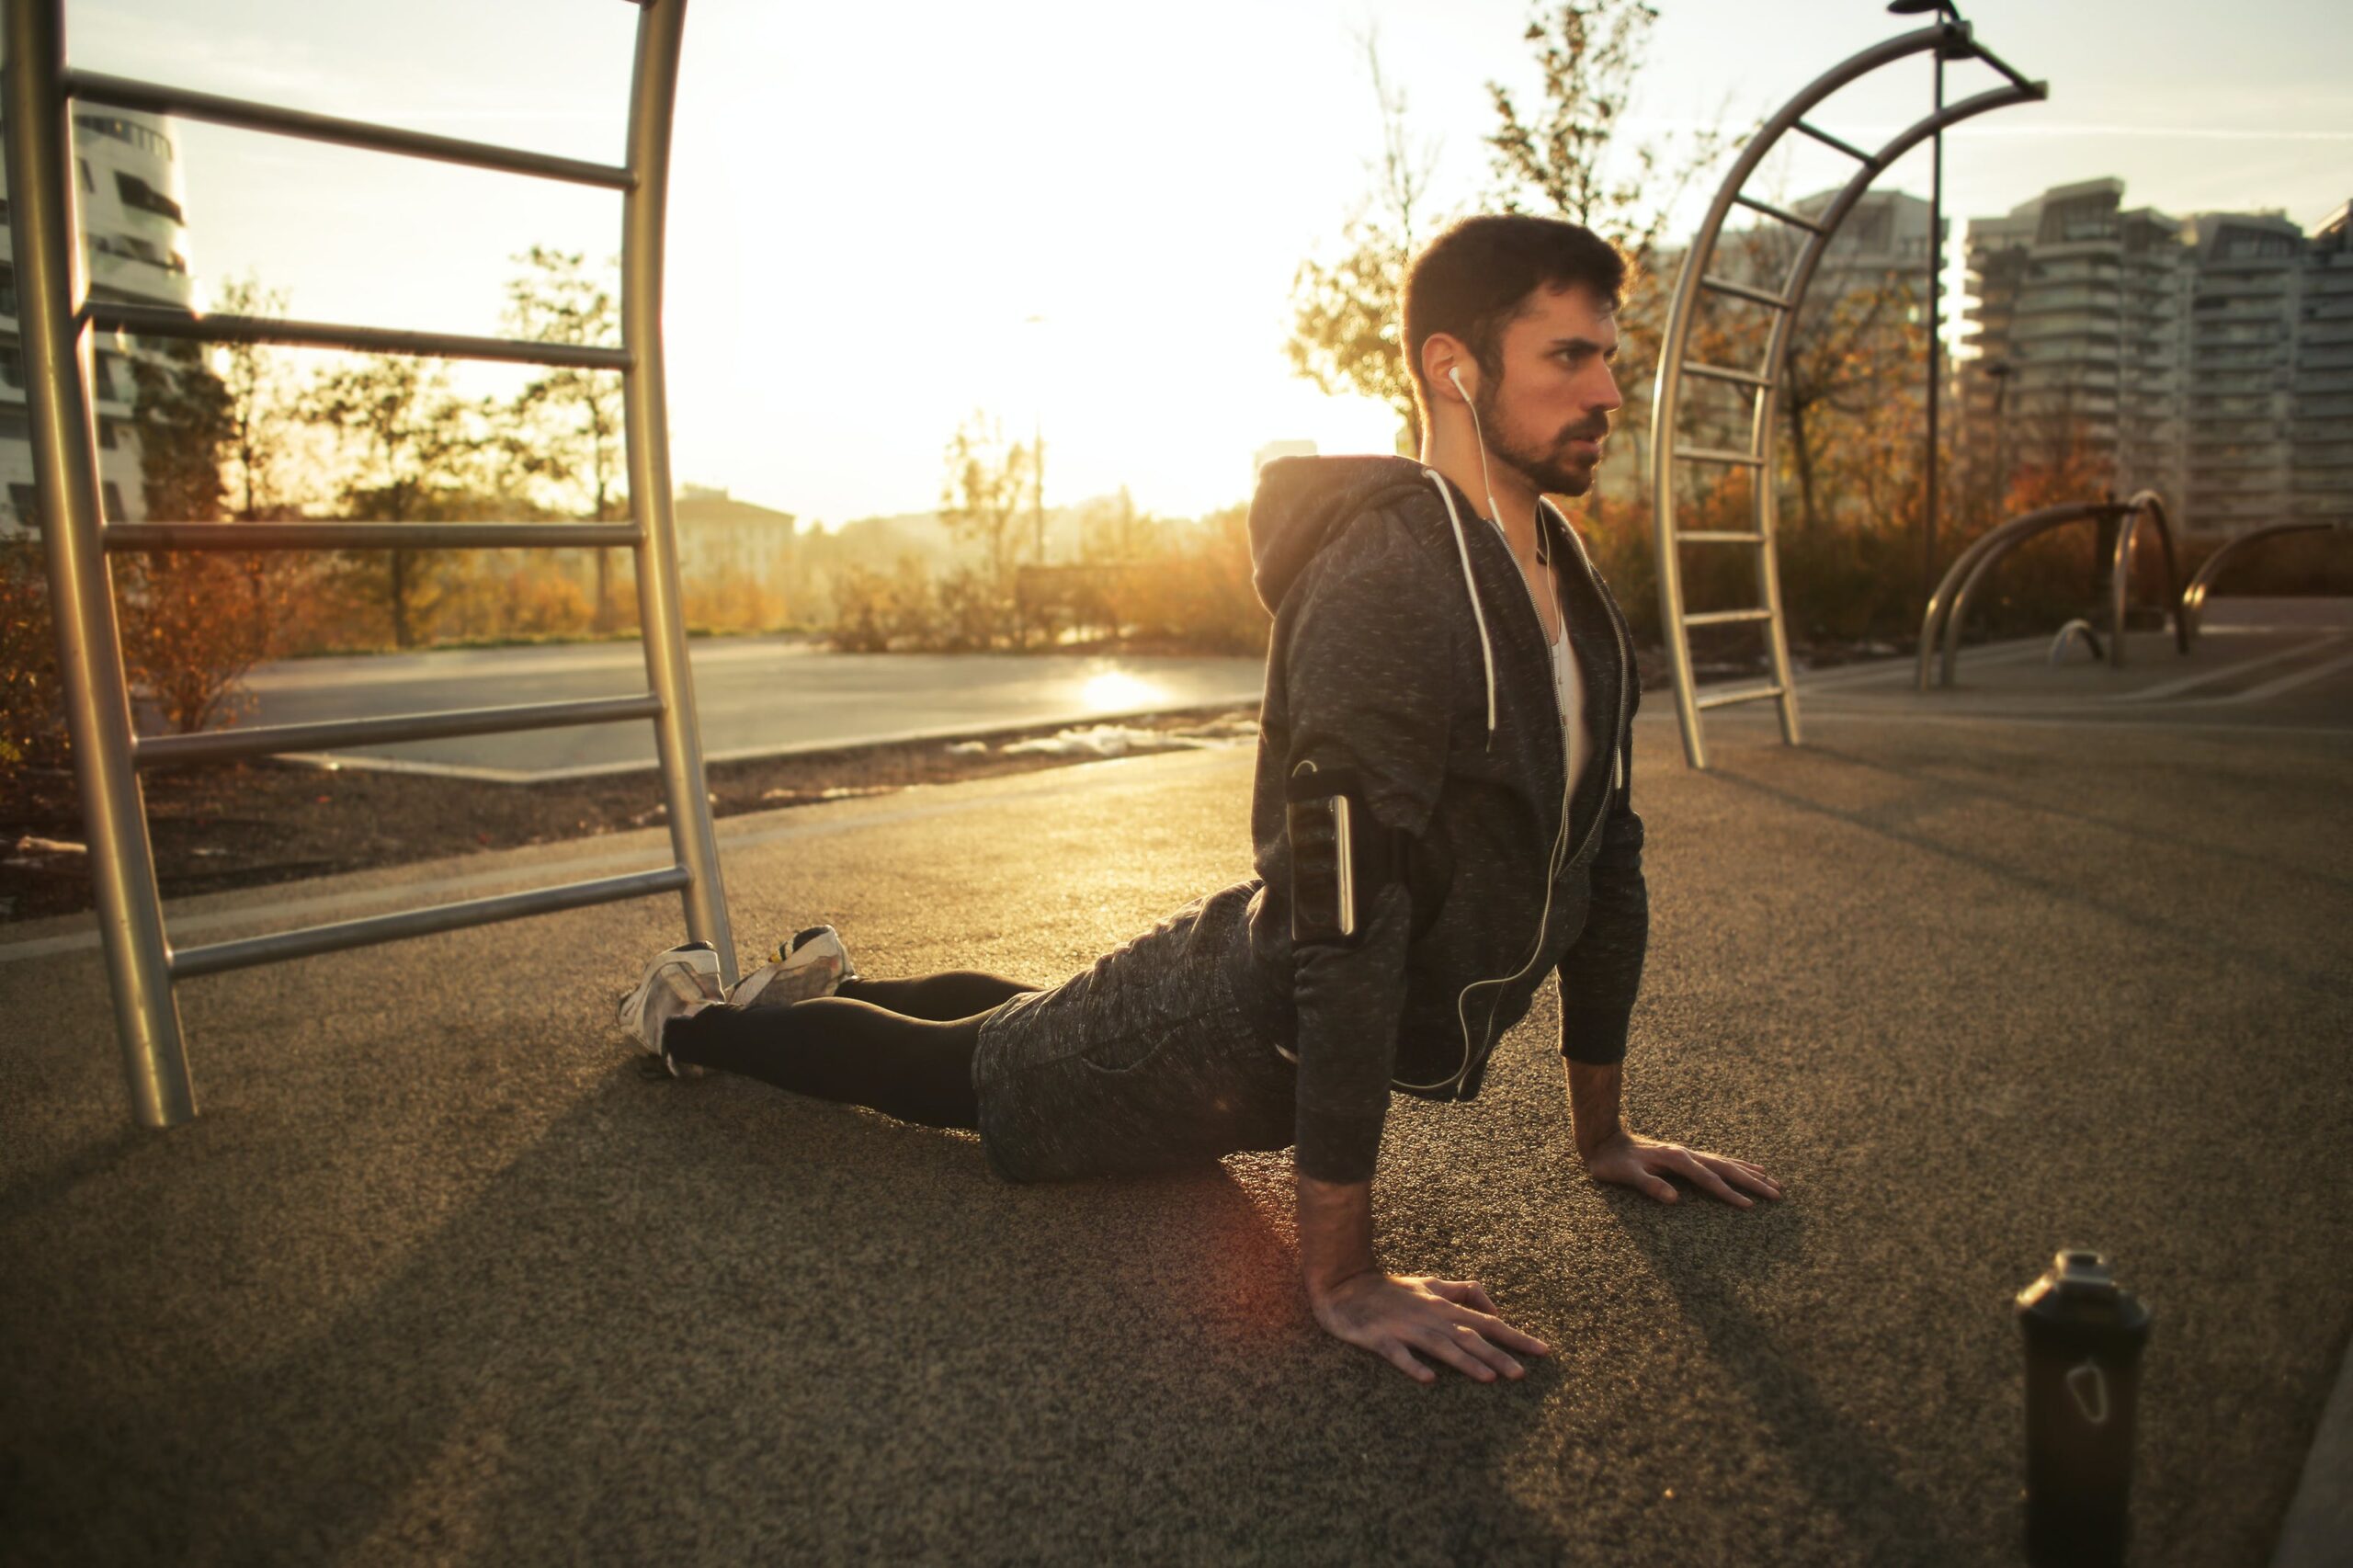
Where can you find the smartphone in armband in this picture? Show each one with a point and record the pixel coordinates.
(1323, 869)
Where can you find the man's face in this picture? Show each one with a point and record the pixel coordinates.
(1546, 418)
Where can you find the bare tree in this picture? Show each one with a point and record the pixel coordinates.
(410, 446)
(1346, 333)
(571, 429)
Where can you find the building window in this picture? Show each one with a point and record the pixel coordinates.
(11, 364)
(105, 434)
(14, 426)
(88, 184)
(27, 501)
(137, 192)
(110, 494)
(121, 130)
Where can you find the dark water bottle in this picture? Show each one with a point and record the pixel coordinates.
(2084, 1339)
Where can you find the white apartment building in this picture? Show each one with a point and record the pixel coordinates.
(2209, 358)
(135, 245)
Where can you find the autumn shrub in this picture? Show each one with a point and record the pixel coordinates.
(873, 610)
(729, 604)
(32, 713)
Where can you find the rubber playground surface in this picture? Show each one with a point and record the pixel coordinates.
(440, 1274)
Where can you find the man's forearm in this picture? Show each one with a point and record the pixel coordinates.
(1594, 1102)
(1335, 1231)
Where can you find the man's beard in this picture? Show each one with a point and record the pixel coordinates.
(1547, 467)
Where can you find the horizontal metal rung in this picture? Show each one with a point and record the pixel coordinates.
(1846, 147)
(1718, 455)
(275, 740)
(310, 940)
(1725, 373)
(1736, 694)
(1726, 617)
(369, 536)
(166, 321)
(1791, 219)
(1716, 535)
(1741, 291)
(93, 86)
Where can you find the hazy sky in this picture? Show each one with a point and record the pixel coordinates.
(869, 202)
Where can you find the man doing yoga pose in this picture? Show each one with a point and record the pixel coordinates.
(1442, 818)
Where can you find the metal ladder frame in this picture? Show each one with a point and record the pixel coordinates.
(59, 320)
(1955, 40)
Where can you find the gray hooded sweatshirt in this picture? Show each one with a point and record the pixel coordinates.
(1406, 648)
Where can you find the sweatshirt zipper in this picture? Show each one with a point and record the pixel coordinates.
(1553, 860)
(1568, 794)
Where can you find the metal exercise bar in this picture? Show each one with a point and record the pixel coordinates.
(1725, 373)
(1783, 214)
(310, 940)
(2145, 505)
(1744, 291)
(277, 739)
(46, 230)
(1672, 364)
(2201, 582)
(367, 536)
(653, 94)
(1941, 603)
(1835, 144)
(156, 98)
(166, 321)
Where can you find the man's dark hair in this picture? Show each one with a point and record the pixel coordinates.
(1471, 281)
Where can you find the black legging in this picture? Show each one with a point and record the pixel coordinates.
(903, 1047)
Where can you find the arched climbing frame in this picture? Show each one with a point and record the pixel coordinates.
(1955, 40)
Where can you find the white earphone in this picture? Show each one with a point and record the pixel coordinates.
(1495, 513)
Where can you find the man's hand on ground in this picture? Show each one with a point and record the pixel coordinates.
(1394, 1315)
(1643, 1163)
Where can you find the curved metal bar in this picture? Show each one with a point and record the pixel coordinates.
(1667, 393)
(1998, 543)
(1933, 621)
(654, 92)
(2077, 629)
(51, 281)
(2193, 597)
(2150, 505)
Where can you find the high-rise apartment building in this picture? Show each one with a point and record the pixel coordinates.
(2197, 355)
(134, 229)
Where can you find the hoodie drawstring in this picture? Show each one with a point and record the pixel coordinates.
(1478, 611)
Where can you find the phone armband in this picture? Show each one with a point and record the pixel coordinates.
(1339, 855)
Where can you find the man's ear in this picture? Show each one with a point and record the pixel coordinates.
(1444, 356)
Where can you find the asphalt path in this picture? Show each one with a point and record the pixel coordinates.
(440, 1274)
(754, 696)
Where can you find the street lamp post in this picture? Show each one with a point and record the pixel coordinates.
(1947, 14)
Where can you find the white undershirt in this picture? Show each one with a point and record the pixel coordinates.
(1568, 681)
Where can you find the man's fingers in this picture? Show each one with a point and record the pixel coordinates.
(1463, 1293)
(1697, 1167)
(1406, 1361)
(1488, 1326)
(1752, 1178)
(1482, 1346)
(1443, 1344)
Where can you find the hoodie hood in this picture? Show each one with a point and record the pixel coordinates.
(1303, 503)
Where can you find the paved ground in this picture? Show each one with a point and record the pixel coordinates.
(755, 697)
(439, 1274)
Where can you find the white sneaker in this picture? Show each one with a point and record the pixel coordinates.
(813, 963)
(677, 983)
